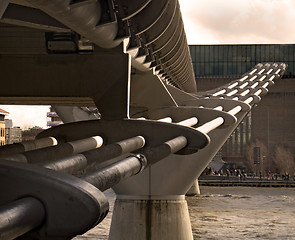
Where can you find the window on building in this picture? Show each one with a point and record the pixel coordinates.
(2, 132)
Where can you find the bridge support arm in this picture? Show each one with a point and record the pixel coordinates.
(101, 78)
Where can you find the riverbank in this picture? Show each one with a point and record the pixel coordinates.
(223, 181)
(229, 213)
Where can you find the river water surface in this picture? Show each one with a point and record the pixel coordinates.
(231, 213)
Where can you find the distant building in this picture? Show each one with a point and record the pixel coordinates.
(272, 120)
(86, 113)
(3, 113)
(53, 119)
(31, 133)
(12, 134)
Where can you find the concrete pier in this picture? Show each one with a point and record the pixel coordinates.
(151, 219)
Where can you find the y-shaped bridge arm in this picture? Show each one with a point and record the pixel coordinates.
(193, 131)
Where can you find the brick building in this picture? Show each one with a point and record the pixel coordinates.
(3, 113)
(270, 123)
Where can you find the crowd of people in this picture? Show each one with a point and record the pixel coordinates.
(242, 175)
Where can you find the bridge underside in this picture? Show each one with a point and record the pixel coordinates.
(155, 136)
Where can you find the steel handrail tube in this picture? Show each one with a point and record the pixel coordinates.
(219, 108)
(248, 100)
(232, 92)
(235, 110)
(211, 125)
(20, 217)
(245, 92)
(166, 119)
(176, 144)
(257, 93)
(57, 151)
(233, 85)
(157, 153)
(78, 162)
(113, 174)
(189, 122)
(27, 146)
(69, 165)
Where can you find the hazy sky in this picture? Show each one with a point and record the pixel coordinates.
(239, 21)
(209, 22)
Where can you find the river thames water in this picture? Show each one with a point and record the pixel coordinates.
(231, 213)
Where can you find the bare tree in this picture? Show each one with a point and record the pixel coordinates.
(284, 160)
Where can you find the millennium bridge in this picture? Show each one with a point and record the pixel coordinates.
(119, 75)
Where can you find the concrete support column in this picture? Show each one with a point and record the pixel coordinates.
(151, 219)
(194, 190)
